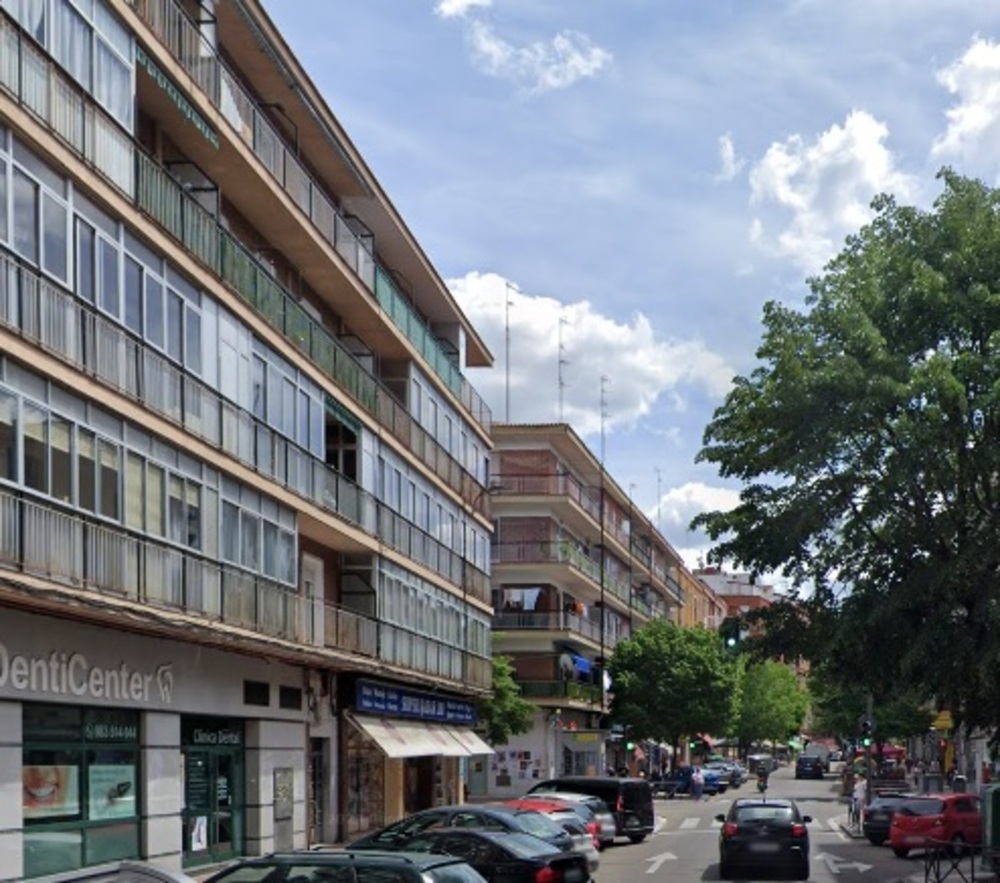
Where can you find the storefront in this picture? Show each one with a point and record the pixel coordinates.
(122, 746)
(404, 750)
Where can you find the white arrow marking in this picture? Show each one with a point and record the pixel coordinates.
(658, 860)
(835, 864)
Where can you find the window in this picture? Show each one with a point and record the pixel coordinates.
(175, 326)
(230, 532)
(155, 494)
(25, 216)
(155, 325)
(3, 200)
(86, 470)
(250, 540)
(72, 44)
(108, 454)
(113, 85)
(55, 218)
(133, 295)
(86, 270)
(8, 437)
(192, 340)
(110, 298)
(60, 434)
(36, 469)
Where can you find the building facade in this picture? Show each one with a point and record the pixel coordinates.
(244, 529)
(576, 568)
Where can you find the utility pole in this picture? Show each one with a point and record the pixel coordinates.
(868, 750)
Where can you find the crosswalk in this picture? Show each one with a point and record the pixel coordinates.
(711, 825)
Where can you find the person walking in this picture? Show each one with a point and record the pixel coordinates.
(858, 800)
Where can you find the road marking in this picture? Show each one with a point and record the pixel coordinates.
(835, 864)
(657, 860)
(690, 823)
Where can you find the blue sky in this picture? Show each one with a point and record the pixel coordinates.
(638, 177)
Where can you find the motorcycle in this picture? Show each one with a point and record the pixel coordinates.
(762, 782)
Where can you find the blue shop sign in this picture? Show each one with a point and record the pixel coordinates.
(377, 698)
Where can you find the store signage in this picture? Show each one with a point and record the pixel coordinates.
(378, 698)
(71, 674)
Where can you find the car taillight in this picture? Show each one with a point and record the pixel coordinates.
(594, 829)
(547, 875)
(729, 828)
(620, 804)
(798, 830)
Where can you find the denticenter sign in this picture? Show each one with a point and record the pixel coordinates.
(71, 674)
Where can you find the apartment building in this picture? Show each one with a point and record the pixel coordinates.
(702, 606)
(576, 568)
(244, 527)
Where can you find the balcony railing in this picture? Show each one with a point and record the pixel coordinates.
(65, 548)
(551, 621)
(42, 87)
(561, 690)
(563, 552)
(56, 322)
(182, 38)
(549, 485)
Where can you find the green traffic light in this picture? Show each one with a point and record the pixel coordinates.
(629, 745)
(867, 741)
(730, 642)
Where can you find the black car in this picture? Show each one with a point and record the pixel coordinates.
(504, 856)
(343, 866)
(469, 815)
(809, 766)
(764, 833)
(876, 818)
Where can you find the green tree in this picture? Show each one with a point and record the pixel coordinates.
(669, 682)
(772, 704)
(868, 444)
(504, 713)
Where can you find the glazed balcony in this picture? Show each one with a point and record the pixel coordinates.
(183, 40)
(42, 87)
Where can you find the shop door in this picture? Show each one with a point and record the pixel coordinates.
(213, 805)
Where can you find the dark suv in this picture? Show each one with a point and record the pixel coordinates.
(809, 766)
(343, 866)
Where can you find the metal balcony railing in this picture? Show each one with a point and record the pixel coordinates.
(555, 621)
(550, 485)
(561, 690)
(182, 38)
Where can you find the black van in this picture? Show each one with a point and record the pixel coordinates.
(631, 800)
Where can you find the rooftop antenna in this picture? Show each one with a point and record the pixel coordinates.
(604, 411)
(563, 361)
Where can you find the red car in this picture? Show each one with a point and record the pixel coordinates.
(954, 820)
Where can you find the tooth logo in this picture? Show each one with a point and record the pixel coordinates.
(165, 681)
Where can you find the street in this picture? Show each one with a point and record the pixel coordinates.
(685, 845)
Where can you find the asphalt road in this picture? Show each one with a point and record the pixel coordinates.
(685, 847)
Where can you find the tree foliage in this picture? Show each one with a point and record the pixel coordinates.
(772, 705)
(668, 682)
(504, 713)
(868, 444)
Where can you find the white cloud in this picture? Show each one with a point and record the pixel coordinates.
(729, 165)
(638, 368)
(458, 8)
(680, 504)
(541, 67)
(974, 121)
(826, 187)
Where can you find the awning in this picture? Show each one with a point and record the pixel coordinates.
(581, 664)
(406, 738)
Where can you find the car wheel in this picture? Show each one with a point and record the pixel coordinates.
(800, 871)
(637, 838)
(876, 841)
(900, 851)
(726, 870)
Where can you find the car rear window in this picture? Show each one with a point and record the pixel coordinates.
(538, 825)
(764, 813)
(922, 806)
(526, 845)
(456, 873)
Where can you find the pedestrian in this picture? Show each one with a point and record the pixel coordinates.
(697, 783)
(859, 799)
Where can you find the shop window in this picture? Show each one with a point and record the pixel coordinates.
(80, 787)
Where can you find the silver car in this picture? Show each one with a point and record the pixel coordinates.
(122, 872)
(604, 817)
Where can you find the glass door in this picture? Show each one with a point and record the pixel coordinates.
(213, 805)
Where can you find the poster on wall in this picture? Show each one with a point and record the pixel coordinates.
(199, 833)
(50, 790)
(112, 791)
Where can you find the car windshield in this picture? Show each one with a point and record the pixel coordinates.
(922, 807)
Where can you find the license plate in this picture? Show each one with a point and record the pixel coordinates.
(764, 847)
(573, 875)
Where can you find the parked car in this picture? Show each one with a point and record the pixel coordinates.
(631, 800)
(122, 872)
(678, 781)
(602, 813)
(341, 866)
(478, 815)
(763, 833)
(954, 820)
(578, 821)
(554, 803)
(502, 855)
(809, 766)
(876, 818)
(584, 841)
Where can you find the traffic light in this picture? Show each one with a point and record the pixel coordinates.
(866, 732)
(730, 632)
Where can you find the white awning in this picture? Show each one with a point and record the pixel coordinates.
(406, 738)
(470, 740)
